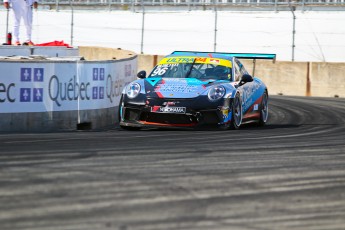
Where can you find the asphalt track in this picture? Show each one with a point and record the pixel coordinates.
(289, 174)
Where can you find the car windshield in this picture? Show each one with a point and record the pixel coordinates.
(192, 70)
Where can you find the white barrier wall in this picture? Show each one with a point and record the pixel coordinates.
(59, 86)
(43, 87)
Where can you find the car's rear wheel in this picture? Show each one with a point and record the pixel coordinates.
(237, 113)
(264, 110)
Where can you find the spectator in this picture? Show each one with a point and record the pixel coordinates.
(22, 9)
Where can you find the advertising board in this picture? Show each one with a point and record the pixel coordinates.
(63, 86)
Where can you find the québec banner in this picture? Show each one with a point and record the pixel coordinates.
(63, 86)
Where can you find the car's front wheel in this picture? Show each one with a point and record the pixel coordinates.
(236, 113)
(119, 111)
(119, 118)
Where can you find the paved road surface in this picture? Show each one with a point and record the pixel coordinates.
(289, 174)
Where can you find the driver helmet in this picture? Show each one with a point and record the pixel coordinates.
(221, 71)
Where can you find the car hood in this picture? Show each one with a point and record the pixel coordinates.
(177, 87)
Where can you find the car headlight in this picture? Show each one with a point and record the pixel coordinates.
(216, 92)
(133, 89)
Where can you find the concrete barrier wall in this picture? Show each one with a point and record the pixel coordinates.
(58, 121)
(303, 78)
(287, 78)
(94, 53)
(327, 79)
(284, 78)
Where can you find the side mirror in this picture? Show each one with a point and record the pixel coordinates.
(142, 74)
(246, 78)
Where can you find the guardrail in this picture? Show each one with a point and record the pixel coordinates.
(198, 2)
(190, 5)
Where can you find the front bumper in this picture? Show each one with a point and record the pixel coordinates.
(198, 112)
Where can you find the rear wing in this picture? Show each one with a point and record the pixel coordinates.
(253, 56)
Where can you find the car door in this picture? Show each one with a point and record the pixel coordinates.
(246, 89)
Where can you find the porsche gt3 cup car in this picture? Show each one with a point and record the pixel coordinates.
(192, 89)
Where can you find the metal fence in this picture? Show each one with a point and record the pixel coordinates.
(144, 5)
(196, 2)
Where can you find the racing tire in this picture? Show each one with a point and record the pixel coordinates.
(264, 110)
(119, 111)
(236, 113)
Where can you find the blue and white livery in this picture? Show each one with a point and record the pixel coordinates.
(193, 89)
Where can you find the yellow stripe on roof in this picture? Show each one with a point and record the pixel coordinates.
(202, 60)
